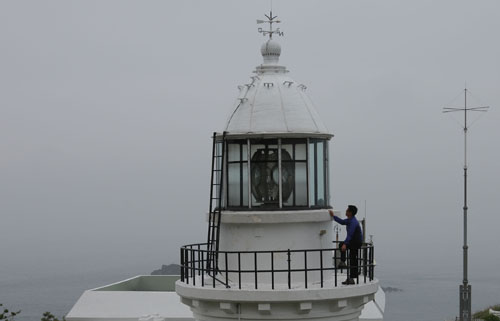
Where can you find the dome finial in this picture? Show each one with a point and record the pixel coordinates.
(270, 50)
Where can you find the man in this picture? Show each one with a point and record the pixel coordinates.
(352, 242)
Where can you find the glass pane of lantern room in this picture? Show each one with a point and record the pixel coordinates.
(320, 158)
(244, 151)
(264, 174)
(233, 185)
(287, 175)
(288, 148)
(254, 148)
(311, 174)
(233, 153)
(300, 151)
(244, 185)
(300, 184)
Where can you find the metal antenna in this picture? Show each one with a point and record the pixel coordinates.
(364, 226)
(270, 20)
(465, 288)
(336, 229)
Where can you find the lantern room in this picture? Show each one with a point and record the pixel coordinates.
(275, 144)
(276, 173)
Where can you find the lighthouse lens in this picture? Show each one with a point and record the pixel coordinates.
(265, 176)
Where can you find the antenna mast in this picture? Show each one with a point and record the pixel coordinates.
(465, 288)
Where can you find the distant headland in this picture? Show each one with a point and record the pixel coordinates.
(171, 269)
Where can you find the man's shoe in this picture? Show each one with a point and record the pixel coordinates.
(349, 282)
(341, 265)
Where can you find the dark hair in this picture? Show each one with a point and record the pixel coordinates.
(353, 209)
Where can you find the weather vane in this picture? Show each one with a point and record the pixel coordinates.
(270, 20)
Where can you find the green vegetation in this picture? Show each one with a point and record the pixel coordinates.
(7, 315)
(47, 316)
(485, 314)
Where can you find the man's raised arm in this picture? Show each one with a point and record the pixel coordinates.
(337, 219)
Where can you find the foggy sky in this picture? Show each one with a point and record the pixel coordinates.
(107, 108)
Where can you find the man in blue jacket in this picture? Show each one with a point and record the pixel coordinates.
(353, 242)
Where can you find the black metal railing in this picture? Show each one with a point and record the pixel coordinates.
(284, 267)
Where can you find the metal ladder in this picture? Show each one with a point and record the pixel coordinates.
(214, 210)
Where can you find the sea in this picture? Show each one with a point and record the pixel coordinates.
(420, 296)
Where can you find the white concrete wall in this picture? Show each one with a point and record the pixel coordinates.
(272, 234)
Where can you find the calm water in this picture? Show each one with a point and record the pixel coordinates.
(424, 297)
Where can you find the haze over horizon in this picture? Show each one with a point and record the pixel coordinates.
(107, 108)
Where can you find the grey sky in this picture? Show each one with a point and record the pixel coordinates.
(107, 107)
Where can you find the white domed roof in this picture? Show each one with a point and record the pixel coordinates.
(273, 103)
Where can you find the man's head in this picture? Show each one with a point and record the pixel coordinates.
(351, 211)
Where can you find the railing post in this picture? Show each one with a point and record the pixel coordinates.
(289, 272)
(272, 270)
(182, 265)
(212, 267)
(373, 262)
(305, 268)
(227, 276)
(202, 268)
(321, 266)
(186, 263)
(348, 262)
(358, 261)
(199, 261)
(239, 270)
(335, 265)
(193, 266)
(365, 261)
(255, 267)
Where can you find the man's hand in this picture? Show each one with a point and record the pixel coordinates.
(343, 248)
(332, 214)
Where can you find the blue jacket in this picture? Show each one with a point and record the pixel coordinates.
(354, 234)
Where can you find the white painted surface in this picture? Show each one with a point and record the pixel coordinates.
(280, 236)
(276, 231)
(98, 305)
(374, 310)
(283, 294)
(271, 217)
(128, 305)
(496, 313)
(328, 303)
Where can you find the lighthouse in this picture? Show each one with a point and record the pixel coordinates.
(269, 253)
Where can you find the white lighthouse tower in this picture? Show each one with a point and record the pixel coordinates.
(269, 253)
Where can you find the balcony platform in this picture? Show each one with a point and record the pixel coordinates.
(207, 281)
(153, 298)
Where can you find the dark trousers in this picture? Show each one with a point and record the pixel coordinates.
(353, 260)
